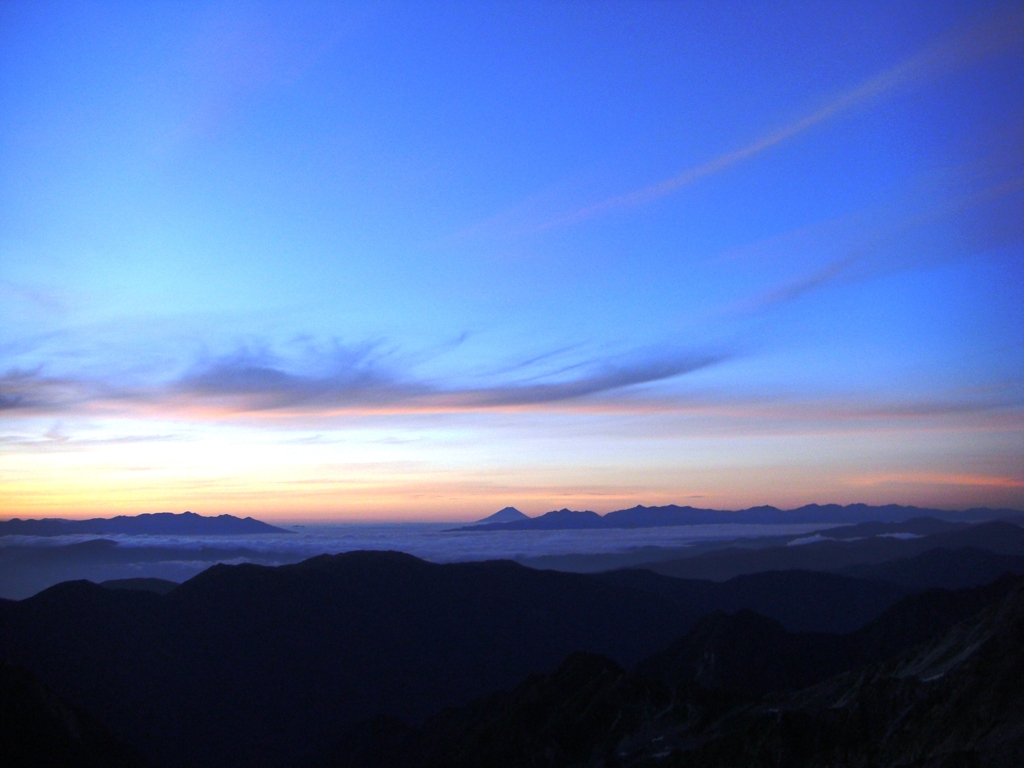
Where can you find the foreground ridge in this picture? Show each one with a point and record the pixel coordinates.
(956, 700)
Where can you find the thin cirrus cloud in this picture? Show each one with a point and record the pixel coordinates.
(974, 215)
(608, 378)
(357, 382)
(251, 385)
(936, 478)
(994, 34)
(29, 391)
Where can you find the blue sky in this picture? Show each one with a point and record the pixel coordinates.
(402, 261)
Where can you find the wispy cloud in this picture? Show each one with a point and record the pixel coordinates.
(533, 360)
(237, 54)
(864, 258)
(247, 384)
(357, 379)
(256, 381)
(938, 478)
(30, 390)
(608, 378)
(984, 39)
(49, 442)
(357, 383)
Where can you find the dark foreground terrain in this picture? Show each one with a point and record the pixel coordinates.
(957, 700)
(378, 658)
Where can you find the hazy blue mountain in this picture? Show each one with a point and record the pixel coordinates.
(158, 523)
(917, 526)
(506, 515)
(651, 517)
(645, 556)
(828, 554)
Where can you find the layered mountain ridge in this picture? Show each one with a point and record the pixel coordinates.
(153, 524)
(654, 517)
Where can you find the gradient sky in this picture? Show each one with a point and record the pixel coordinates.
(419, 261)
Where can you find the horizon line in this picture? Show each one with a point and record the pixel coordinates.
(301, 521)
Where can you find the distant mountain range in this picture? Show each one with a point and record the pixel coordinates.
(158, 523)
(506, 515)
(652, 517)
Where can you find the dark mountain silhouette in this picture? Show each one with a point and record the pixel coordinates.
(159, 586)
(748, 653)
(159, 523)
(595, 562)
(800, 600)
(506, 515)
(940, 567)
(252, 665)
(38, 730)
(956, 700)
(652, 517)
(560, 719)
(833, 555)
